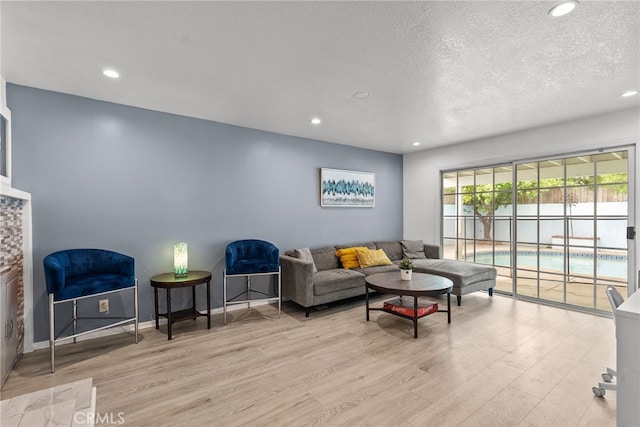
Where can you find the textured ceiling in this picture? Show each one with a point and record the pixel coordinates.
(437, 72)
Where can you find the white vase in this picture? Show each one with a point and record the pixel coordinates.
(405, 274)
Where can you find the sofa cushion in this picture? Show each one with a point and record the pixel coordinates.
(325, 258)
(372, 258)
(328, 281)
(393, 249)
(377, 269)
(305, 255)
(413, 249)
(461, 273)
(349, 257)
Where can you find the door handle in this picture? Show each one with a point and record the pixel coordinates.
(631, 233)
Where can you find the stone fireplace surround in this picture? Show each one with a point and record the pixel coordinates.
(11, 257)
(16, 259)
(16, 253)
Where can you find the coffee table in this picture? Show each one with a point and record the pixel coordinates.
(420, 285)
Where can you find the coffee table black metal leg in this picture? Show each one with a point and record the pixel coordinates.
(448, 307)
(208, 304)
(169, 312)
(155, 295)
(366, 298)
(415, 317)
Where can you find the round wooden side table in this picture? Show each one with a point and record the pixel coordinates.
(168, 281)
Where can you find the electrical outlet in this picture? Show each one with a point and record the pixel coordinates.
(104, 305)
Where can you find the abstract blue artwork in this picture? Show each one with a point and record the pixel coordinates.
(347, 188)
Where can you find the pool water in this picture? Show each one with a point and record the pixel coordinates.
(614, 266)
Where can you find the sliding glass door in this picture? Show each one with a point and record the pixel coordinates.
(571, 217)
(554, 228)
(478, 218)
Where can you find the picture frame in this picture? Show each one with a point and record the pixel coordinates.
(345, 188)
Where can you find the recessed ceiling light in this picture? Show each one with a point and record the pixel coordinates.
(563, 8)
(111, 73)
(361, 94)
(316, 121)
(629, 93)
(415, 144)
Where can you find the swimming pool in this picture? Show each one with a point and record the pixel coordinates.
(608, 265)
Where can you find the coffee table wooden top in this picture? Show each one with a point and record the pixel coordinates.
(421, 284)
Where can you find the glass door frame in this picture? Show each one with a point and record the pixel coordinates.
(633, 273)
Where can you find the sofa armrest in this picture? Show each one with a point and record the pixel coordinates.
(432, 251)
(297, 280)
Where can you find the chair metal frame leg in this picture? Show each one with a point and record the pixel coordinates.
(52, 337)
(74, 321)
(224, 296)
(279, 290)
(135, 308)
(249, 291)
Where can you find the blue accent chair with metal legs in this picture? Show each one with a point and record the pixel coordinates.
(76, 274)
(251, 258)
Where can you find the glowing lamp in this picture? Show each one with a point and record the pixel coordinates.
(180, 260)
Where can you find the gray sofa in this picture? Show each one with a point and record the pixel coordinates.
(322, 279)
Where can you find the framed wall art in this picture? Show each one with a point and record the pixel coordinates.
(342, 188)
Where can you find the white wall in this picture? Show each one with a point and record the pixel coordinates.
(421, 177)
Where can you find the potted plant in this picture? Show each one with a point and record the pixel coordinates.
(405, 268)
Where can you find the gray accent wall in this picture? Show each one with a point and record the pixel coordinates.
(136, 181)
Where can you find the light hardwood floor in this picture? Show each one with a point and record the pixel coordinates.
(501, 362)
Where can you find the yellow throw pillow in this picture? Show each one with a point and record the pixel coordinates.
(348, 256)
(371, 258)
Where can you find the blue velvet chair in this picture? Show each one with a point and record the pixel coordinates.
(75, 274)
(250, 258)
